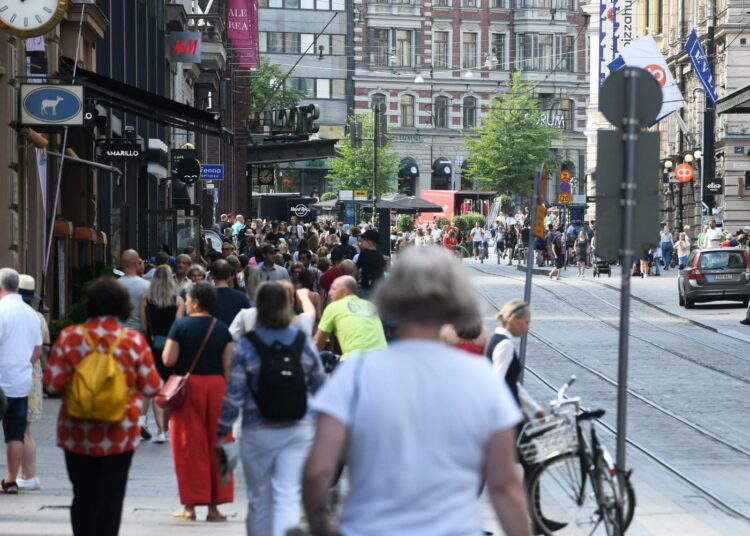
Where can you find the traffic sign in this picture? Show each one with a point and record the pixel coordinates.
(565, 198)
(684, 173)
(565, 187)
(360, 195)
(565, 176)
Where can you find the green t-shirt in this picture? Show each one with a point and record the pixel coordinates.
(356, 323)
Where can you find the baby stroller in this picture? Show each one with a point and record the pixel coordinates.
(601, 266)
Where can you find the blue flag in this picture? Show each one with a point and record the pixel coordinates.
(702, 67)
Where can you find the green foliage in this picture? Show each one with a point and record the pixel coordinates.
(510, 144)
(352, 169)
(466, 222)
(441, 222)
(328, 196)
(264, 80)
(405, 223)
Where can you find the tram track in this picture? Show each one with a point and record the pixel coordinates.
(701, 430)
(615, 326)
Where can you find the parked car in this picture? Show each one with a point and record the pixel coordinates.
(715, 274)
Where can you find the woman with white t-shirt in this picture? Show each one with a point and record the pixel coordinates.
(477, 235)
(390, 413)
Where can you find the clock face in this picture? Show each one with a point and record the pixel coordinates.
(265, 176)
(29, 18)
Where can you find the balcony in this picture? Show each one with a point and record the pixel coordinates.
(394, 8)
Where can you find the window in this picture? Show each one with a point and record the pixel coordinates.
(307, 4)
(567, 107)
(323, 45)
(338, 5)
(440, 50)
(565, 53)
(498, 51)
(291, 4)
(275, 42)
(338, 88)
(275, 3)
(498, 4)
(263, 41)
(468, 3)
(305, 85)
(470, 112)
(441, 3)
(544, 54)
(306, 43)
(440, 113)
(378, 99)
(291, 43)
(403, 48)
(323, 5)
(536, 52)
(407, 111)
(379, 49)
(337, 45)
(469, 51)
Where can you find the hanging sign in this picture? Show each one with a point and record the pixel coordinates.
(702, 67)
(185, 47)
(242, 31)
(124, 150)
(212, 172)
(51, 105)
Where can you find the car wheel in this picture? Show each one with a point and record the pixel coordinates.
(689, 304)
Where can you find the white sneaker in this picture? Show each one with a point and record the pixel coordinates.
(30, 484)
(159, 438)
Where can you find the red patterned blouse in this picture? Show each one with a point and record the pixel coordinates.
(93, 438)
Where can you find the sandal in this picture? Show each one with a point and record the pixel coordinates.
(184, 514)
(11, 488)
(217, 518)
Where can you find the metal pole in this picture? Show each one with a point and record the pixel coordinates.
(631, 126)
(529, 266)
(376, 138)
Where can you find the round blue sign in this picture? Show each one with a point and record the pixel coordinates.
(565, 187)
(50, 104)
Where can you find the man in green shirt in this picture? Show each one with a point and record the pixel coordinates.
(355, 321)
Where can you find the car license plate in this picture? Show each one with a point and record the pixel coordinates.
(724, 277)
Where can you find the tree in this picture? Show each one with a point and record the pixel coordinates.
(264, 80)
(329, 196)
(352, 169)
(511, 143)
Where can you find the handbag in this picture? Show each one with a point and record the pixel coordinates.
(172, 395)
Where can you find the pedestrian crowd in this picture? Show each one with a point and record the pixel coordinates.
(217, 353)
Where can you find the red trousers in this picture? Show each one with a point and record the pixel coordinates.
(193, 432)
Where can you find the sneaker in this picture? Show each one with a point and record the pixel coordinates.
(29, 484)
(159, 438)
(745, 321)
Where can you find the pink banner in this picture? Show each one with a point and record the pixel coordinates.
(242, 30)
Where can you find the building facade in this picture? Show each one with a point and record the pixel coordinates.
(435, 66)
(311, 38)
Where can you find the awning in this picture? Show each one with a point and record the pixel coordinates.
(735, 103)
(408, 168)
(277, 152)
(144, 103)
(442, 167)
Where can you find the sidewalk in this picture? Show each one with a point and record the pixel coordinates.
(661, 292)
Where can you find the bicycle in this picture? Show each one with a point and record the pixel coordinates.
(574, 487)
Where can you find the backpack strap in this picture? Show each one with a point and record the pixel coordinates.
(93, 344)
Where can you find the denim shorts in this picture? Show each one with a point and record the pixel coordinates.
(14, 420)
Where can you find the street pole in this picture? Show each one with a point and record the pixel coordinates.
(707, 158)
(631, 126)
(529, 266)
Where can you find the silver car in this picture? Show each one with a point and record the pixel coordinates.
(715, 274)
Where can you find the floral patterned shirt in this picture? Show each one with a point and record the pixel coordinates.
(245, 370)
(93, 438)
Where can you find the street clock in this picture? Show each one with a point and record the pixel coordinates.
(30, 18)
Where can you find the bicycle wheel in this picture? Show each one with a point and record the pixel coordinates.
(607, 495)
(562, 500)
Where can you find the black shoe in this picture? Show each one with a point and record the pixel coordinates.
(11, 488)
(145, 434)
(745, 321)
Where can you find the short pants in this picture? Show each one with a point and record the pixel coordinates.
(14, 420)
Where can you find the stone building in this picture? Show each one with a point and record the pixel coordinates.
(436, 65)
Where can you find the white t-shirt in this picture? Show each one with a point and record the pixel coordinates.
(136, 287)
(420, 415)
(20, 333)
(478, 234)
(713, 237)
(244, 322)
(436, 235)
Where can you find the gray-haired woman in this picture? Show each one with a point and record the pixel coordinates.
(387, 412)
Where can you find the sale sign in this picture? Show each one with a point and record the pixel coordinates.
(242, 31)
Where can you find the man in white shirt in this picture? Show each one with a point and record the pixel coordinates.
(713, 235)
(134, 284)
(20, 347)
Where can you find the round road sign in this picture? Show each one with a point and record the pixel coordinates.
(565, 187)
(565, 198)
(684, 173)
(612, 96)
(565, 175)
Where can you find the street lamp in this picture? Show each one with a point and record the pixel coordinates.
(688, 158)
(697, 154)
(668, 165)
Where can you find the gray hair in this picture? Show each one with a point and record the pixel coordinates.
(9, 280)
(428, 286)
(252, 280)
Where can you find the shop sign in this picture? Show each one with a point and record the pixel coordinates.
(360, 195)
(185, 47)
(124, 150)
(406, 138)
(189, 170)
(51, 105)
(714, 186)
(346, 195)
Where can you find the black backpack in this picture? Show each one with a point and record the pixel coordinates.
(282, 387)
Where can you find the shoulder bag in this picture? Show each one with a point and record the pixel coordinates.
(172, 394)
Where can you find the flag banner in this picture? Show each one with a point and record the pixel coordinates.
(645, 54)
(702, 68)
(242, 31)
(608, 36)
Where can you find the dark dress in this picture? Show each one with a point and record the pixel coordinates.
(159, 321)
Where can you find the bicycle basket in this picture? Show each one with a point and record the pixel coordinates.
(552, 435)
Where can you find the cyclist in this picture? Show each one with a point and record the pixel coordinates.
(355, 321)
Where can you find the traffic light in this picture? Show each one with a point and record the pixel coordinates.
(382, 119)
(355, 134)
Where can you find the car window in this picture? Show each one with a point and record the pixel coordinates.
(716, 260)
(690, 259)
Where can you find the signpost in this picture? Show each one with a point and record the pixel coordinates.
(630, 100)
(212, 172)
